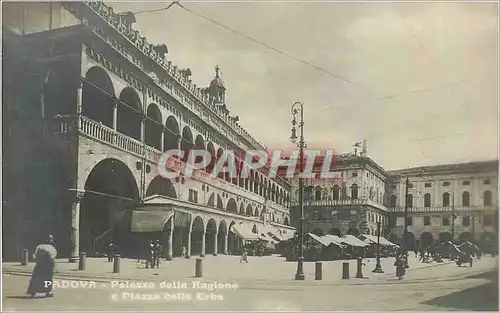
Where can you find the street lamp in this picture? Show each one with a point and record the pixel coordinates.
(405, 235)
(298, 107)
(378, 267)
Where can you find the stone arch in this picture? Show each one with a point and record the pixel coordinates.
(220, 153)
(220, 204)
(445, 236)
(426, 239)
(336, 193)
(409, 240)
(427, 200)
(242, 209)
(98, 95)
(232, 206)
(153, 127)
(211, 152)
(129, 113)
(200, 142)
(197, 231)
(161, 186)
(222, 235)
(249, 211)
(466, 236)
(287, 222)
(186, 141)
(211, 200)
(318, 232)
(256, 212)
(211, 237)
(233, 242)
(170, 140)
(111, 192)
(335, 231)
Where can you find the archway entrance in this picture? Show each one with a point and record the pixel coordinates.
(211, 237)
(43, 208)
(489, 242)
(233, 242)
(98, 95)
(110, 196)
(182, 221)
(466, 236)
(197, 231)
(445, 236)
(221, 240)
(426, 239)
(409, 241)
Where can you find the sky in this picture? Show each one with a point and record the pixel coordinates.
(418, 81)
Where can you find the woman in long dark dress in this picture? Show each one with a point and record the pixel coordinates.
(42, 277)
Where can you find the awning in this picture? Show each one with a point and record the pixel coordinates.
(268, 239)
(288, 235)
(272, 232)
(322, 240)
(353, 241)
(244, 232)
(383, 241)
(336, 240)
(149, 221)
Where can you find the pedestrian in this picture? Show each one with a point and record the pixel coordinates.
(43, 272)
(157, 253)
(244, 256)
(184, 252)
(400, 264)
(111, 250)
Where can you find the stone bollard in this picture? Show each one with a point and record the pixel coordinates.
(24, 257)
(198, 270)
(82, 262)
(116, 263)
(319, 271)
(345, 270)
(359, 273)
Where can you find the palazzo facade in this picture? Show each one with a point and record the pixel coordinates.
(89, 108)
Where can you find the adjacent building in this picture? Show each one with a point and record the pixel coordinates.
(89, 105)
(457, 201)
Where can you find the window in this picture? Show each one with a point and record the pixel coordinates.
(486, 181)
(409, 221)
(487, 198)
(427, 200)
(336, 192)
(466, 183)
(316, 216)
(193, 196)
(317, 193)
(466, 221)
(428, 185)
(354, 174)
(488, 220)
(335, 215)
(427, 220)
(410, 185)
(393, 201)
(446, 221)
(446, 199)
(409, 201)
(446, 183)
(354, 191)
(465, 198)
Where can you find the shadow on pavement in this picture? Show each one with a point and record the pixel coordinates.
(480, 298)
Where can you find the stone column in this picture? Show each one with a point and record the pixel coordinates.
(162, 139)
(79, 105)
(143, 128)
(115, 114)
(225, 243)
(203, 246)
(171, 239)
(75, 227)
(216, 242)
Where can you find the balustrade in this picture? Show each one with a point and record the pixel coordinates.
(105, 134)
(447, 209)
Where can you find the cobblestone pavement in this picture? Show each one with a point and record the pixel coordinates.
(441, 287)
(217, 267)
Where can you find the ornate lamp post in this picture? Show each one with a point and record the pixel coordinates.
(405, 235)
(298, 107)
(378, 266)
